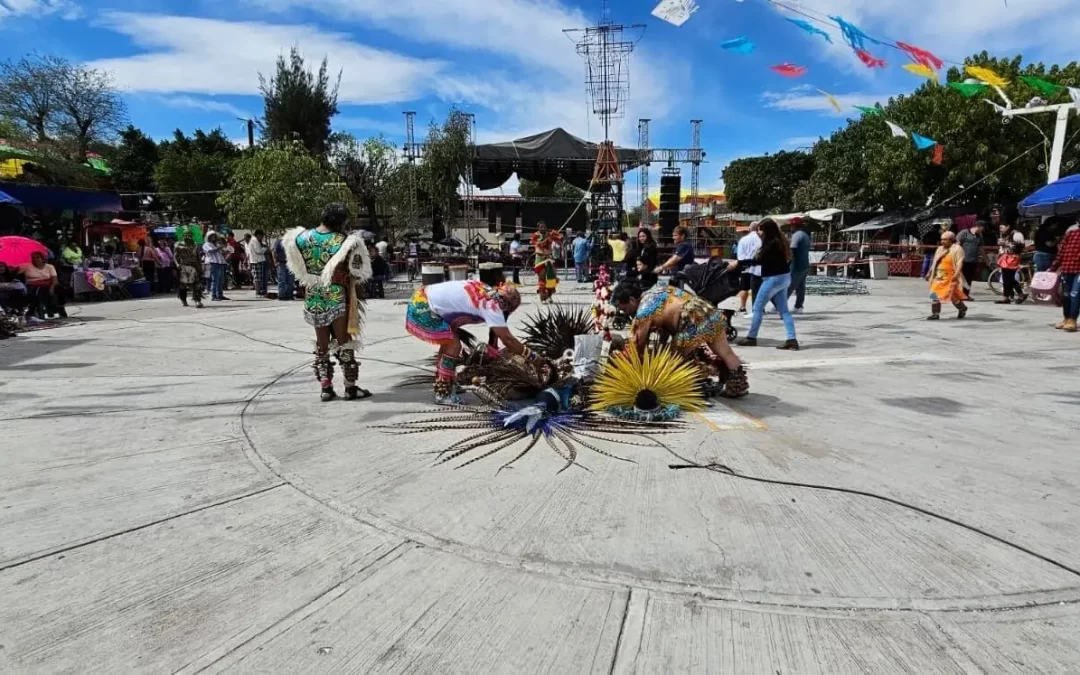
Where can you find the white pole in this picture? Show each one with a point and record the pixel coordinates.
(1054, 170)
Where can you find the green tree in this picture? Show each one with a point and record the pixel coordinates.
(30, 91)
(280, 186)
(134, 160)
(560, 189)
(446, 154)
(192, 172)
(365, 167)
(298, 104)
(11, 131)
(766, 184)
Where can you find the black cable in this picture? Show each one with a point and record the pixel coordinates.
(728, 471)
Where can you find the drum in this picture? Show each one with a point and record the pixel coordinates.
(459, 272)
(432, 273)
(491, 273)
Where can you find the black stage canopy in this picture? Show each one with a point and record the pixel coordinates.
(542, 158)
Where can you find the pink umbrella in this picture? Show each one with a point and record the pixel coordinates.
(16, 251)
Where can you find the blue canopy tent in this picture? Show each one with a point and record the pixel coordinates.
(62, 199)
(1060, 198)
(5, 198)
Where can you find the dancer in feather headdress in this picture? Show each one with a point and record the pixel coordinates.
(687, 321)
(331, 267)
(436, 312)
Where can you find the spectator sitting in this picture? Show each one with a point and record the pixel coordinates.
(12, 292)
(42, 286)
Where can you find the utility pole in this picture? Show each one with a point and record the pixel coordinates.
(1061, 110)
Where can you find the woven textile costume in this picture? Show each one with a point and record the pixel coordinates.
(330, 266)
(699, 322)
(546, 276)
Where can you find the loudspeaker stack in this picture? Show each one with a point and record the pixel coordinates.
(670, 196)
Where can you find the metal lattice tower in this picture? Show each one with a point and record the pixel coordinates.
(411, 155)
(607, 66)
(643, 170)
(695, 171)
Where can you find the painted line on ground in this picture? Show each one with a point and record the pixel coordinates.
(842, 361)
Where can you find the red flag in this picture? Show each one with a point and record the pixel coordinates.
(939, 154)
(921, 56)
(869, 59)
(789, 70)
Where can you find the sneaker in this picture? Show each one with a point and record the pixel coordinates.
(797, 310)
(748, 342)
(224, 298)
(933, 317)
(1021, 299)
(743, 311)
(961, 313)
(790, 345)
(1003, 301)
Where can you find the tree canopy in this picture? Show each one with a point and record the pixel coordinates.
(134, 160)
(280, 186)
(365, 167)
(863, 166)
(299, 104)
(766, 184)
(192, 170)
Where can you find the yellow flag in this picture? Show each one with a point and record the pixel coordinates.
(986, 75)
(832, 101)
(921, 70)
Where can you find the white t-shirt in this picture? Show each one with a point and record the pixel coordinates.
(256, 251)
(747, 248)
(381, 247)
(461, 303)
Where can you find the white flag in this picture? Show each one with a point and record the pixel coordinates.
(896, 130)
(675, 12)
(1074, 92)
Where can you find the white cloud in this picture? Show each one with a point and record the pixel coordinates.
(210, 105)
(208, 56)
(805, 99)
(65, 9)
(800, 141)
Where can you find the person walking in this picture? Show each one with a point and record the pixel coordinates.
(775, 260)
(1067, 263)
(800, 263)
(214, 254)
(286, 282)
(189, 270)
(946, 277)
(260, 268)
(582, 250)
(516, 259)
(971, 241)
(1011, 246)
(750, 279)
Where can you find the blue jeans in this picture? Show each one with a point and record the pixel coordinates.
(927, 261)
(1070, 296)
(217, 281)
(773, 289)
(1043, 261)
(798, 286)
(286, 288)
(579, 267)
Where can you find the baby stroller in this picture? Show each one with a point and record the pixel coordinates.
(713, 282)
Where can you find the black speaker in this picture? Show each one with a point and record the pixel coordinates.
(670, 197)
(492, 217)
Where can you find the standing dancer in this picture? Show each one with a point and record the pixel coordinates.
(189, 267)
(437, 312)
(331, 266)
(546, 277)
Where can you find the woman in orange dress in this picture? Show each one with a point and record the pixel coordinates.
(946, 277)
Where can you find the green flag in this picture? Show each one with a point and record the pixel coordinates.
(875, 110)
(1048, 88)
(968, 89)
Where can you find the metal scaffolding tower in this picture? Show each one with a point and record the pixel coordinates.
(643, 171)
(695, 170)
(411, 154)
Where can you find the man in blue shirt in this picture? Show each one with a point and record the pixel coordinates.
(800, 262)
(683, 255)
(582, 250)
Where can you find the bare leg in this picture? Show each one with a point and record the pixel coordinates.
(743, 295)
(324, 368)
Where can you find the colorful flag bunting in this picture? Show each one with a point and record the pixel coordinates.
(832, 101)
(1048, 88)
(896, 130)
(789, 70)
(875, 110)
(869, 59)
(739, 45)
(675, 12)
(811, 29)
(969, 89)
(986, 75)
(921, 56)
(920, 69)
(922, 142)
(855, 38)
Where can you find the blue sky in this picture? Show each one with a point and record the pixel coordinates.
(196, 64)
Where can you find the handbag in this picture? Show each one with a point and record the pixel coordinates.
(1009, 261)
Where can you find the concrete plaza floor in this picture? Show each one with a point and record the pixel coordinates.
(174, 498)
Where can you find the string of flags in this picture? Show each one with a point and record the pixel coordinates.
(921, 142)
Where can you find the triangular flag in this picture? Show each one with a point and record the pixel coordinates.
(939, 154)
(968, 89)
(921, 56)
(896, 130)
(920, 69)
(789, 70)
(1074, 93)
(1048, 88)
(832, 101)
(869, 59)
(675, 12)
(986, 75)
(922, 142)
(739, 45)
(876, 110)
